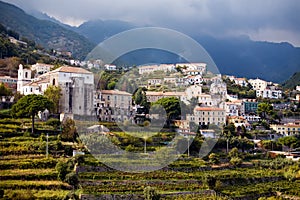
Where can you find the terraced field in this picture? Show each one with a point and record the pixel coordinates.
(26, 173)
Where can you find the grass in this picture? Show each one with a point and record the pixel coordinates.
(36, 184)
(35, 194)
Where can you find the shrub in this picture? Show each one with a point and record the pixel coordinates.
(210, 181)
(150, 193)
(62, 170)
(55, 123)
(214, 158)
(72, 179)
(236, 161)
(234, 153)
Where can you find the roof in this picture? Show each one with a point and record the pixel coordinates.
(236, 117)
(117, 92)
(69, 69)
(31, 84)
(44, 80)
(151, 93)
(208, 109)
(8, 77)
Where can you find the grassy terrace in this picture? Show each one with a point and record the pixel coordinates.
(26, 173)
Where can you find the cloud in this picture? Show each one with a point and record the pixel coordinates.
(256, 18)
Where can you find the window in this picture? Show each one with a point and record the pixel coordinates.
(108, 97)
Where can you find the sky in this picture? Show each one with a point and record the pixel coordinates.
(261, 20)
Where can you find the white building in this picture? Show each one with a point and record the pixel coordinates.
(110, 67)
(258, 84)
(269, 93)
(77, 85)
(154, 82)
(24, 77)
(233, 108)
(239, 81)
(41, 68)
(192, 68)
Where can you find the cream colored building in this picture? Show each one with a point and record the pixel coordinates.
(153, 68)
(113, 105)
(258, 84)
(286, 129)
(154, 96)
(208, 115)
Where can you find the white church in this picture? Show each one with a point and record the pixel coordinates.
(77, 86)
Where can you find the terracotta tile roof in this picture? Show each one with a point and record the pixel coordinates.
(31, 84)
(115, 92)
(209, 109)
(46, 79)
(236, 117)
(150, 93)
(69, 69)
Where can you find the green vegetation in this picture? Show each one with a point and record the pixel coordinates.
(26, 173)
(242, 92)
(30, 105)
(292, 82)
(45, 33)
(53, 93)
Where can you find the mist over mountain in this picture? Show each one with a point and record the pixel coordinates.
(239, 56)
(44, 32)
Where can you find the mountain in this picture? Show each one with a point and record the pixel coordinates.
(243, 57)
(44, 16)
(46, 33)
(99, 30)
(239, 56)
(293, 81)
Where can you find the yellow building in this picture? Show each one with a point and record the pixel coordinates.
(208, 115)
(287, 129)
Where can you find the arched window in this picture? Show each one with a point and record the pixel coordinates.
(26, 74)
(53, 81)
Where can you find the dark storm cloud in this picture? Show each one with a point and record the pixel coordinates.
(275, 20)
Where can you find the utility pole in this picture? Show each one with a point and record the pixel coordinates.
(47, 145)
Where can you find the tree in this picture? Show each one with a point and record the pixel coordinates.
(54, 93)
(264, 110)
(5, 91)
(171, 105)
(30, 105)
(69, 132)
(140, 98)
(290, 141)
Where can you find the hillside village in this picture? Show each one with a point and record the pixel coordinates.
(184, 81)
(254, 126)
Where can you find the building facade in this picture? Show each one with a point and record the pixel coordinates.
(286, 129)
(113, 105)
(208, 115)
